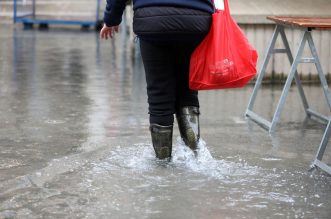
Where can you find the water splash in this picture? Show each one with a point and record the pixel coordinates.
(205, 164)
(141, 158)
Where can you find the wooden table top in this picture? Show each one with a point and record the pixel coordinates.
(307, 22)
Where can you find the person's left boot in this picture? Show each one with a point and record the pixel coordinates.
(188, 124)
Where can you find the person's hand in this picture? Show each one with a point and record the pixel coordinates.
(108, 32)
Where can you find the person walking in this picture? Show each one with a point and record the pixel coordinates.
(168, 32)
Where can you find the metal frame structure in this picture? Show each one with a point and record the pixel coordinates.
(293, 74)
(31, 18)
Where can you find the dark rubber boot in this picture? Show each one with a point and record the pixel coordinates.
(188, 123)
(162, 140)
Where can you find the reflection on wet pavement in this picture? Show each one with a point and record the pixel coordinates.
(74, 141)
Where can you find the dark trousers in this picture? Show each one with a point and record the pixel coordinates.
(167, 74)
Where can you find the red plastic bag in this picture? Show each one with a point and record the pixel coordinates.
(225, 58)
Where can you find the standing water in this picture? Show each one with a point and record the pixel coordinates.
(74, 141)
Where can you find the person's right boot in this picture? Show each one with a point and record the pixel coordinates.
(188, 124)
(162, 140)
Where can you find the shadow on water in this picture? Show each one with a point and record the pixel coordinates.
(74, 141)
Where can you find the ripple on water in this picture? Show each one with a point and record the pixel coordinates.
(54, 122)
(134, 171)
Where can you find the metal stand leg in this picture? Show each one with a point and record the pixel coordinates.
(270, 51)
(296, 75)
(324, 83)
(318, 159)
(288, 83)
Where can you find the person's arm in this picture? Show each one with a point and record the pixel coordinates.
(112, 17)
(113, 12)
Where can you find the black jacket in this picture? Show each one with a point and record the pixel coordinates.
(114, 8)
(170, 23)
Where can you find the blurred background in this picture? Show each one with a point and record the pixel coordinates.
(250, 15)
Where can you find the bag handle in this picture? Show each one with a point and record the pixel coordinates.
(226, 6)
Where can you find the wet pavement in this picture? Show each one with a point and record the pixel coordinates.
(74, 140)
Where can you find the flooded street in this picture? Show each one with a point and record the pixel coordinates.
(74, 140)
